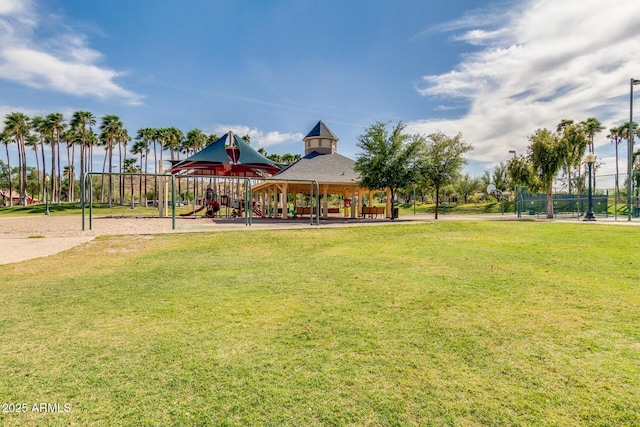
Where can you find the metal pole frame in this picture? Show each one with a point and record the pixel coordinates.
(630, 147)
(87, 177)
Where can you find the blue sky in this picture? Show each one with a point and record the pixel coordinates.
(494, 71)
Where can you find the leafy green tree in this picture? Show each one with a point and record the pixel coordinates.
(442, 161)
(467, 185)
(388, 159)
(546, 155)
(574, 138)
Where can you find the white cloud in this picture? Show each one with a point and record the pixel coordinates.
(61, 62)
(260, 138)
(549, 60)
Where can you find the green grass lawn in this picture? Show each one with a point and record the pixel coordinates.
(443, 324)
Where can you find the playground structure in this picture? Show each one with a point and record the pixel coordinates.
(219, 197)
(236, 195)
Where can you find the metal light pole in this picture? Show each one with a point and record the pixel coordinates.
(515, 189)
(46, 193)
(630, 147)
(590, 159)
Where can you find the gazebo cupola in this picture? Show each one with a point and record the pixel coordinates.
(321, 140)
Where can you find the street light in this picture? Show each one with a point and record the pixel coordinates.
(46, 193)
(630, 147)
(590, 159)
(515, 189)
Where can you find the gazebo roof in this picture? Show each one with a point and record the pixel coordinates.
(325, 168)
(321, 130)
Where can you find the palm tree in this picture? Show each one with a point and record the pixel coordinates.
(71, 137)
(146, 135)
(17, 124)
(32, 141)
(591, 127)
(615, 135)
(38, 124)
(130, 166)
(110, 129)
(5, 138)
(124, 139)
(193, 143)
(141, 147)
(624, 133)
(54, 125)
(211, 139)
(79, 121)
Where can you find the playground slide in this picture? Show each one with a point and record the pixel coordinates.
(192, 212)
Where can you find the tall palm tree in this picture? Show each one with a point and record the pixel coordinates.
(174, 139)
(122, 138)
(193, 143)
(32, 141)
(17, 124)
(71, 137)
(80, 121)
(5, 138)
(615, 137)
(54, 123)
(591, 127)
(624, 133)
(130, 166)
(38, 124)
(141, 147)
(109, 131)
(147, 135)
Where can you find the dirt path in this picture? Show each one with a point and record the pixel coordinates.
(24, 238)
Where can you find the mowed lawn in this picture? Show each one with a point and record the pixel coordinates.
(445, 323)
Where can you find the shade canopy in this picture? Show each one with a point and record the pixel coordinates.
(230, 155)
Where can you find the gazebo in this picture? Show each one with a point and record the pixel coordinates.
(334, 174)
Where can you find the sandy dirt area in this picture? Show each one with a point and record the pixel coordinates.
(24, 238)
